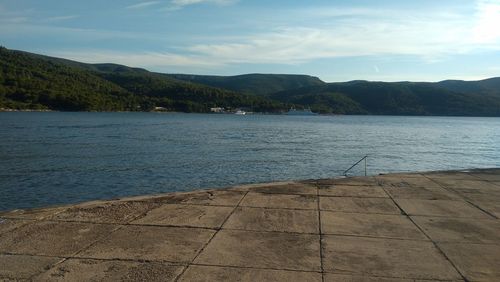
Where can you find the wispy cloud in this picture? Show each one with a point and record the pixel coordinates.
(153, 60)
(296, 36)
(143, 5)
(75, 34)
(179, 4)
(14, 20)
(359, 32)
(61, 18)
(182, 3)
(430, 36)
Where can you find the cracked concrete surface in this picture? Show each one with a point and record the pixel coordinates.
(435, 226)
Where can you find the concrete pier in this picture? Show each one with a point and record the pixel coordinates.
(436, 226)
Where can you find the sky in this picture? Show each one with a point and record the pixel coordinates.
(335, 40)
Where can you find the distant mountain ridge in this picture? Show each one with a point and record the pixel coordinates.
(256, 84)
(485, 86)
(477, 98)
(32, 81)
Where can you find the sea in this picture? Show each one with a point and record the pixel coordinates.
(54, 158)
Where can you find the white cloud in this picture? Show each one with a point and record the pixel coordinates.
(316, 34)
(14, 20)
(143, 5)
(73, 34)
(487, 29)
(181, 3)
(61, 18)
(152, 60)
(431, 36)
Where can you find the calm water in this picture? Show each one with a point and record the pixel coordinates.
(56, 158)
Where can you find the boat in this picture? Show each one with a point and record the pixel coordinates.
(304, 112)
(240, 112)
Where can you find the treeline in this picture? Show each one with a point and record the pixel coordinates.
(399, 98)
(255, 84)
(29, 81)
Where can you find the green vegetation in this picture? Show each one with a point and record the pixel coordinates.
(255, 84)
(31, 81)
(401, 98)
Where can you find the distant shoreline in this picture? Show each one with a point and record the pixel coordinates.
(26, 110)
(2, 110)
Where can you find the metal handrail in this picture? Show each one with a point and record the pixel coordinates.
(364, 158)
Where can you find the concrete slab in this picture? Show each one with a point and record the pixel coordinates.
(406, 182)
(284, 220)
(292, 189)
(330, 277)
(359, 205)
(355, 181)
(52, 238)
(287, 251)
(401, 174)
(389, 226)
(476, 262)
(108, 212)
(186, 215)
(247, 187)
(478, 194)
(487, 176)
(451, 174)
(17, 267)
(465, 230)
(205, 197)
(435, 193)
(386, 258)
(172, 244)
(263, 200)
(33, 213)
(469, 184)
(491, 206)
(353, 191)
(444, 208)
(110, 270)
(7, 224)
(198, 273)
(485, 170)
(366, 237)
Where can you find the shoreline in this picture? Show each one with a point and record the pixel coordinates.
(237, 186)
(436, 225)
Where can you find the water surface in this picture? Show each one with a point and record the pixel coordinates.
(57, 158)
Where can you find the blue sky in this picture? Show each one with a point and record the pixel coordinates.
(337, 40)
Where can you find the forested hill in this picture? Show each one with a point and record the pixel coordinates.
(486, 86)
(460, 98)
(31, 81)
(256, 84)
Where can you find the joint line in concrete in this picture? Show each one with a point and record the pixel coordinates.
(320, 236)
(211, 238)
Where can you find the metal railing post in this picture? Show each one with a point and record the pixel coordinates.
(362, 159)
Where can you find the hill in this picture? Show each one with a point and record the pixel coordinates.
(31, 81)
(256, 84)
(400, 98)
(487, 86)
